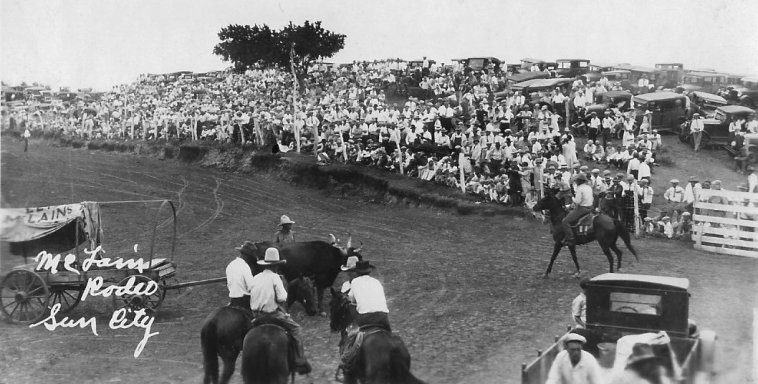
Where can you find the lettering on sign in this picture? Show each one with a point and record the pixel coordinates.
(123, 318)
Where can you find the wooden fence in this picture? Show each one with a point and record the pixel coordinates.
(726, 222)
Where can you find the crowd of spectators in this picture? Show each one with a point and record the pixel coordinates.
(473, 134)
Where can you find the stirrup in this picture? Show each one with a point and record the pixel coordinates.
(337, 377)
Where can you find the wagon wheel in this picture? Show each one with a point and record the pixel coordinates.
(68, 296)
(24, 297)
(133, 302)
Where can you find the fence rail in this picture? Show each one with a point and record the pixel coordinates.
(726, 222)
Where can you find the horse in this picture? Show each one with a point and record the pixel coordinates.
(606, 231)
(266, 356)
(224, 329)
(383, 357)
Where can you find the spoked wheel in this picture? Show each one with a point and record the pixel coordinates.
(24, 297)
(68, 296)
(134, 302)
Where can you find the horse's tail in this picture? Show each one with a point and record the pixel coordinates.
(210, 352)
(400, 364)
(621, 229)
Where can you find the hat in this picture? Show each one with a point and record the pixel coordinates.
(285, 220)
(574, 337)
(271, 258)
(647, 112)
(630, 177)
(686, 214)
(647, 219)
(585, 168)
(620, 175)
(695, 114)
(644, 181)
(607, 172)
(694, 178)
(247, 248)
(363, 266)
(640, 352)
(595, 170)
(580, 176)
(665, 218)
(350, 264)
(674, 181)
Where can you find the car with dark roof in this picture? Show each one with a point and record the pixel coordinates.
(642, 307)
(716, 128)
(668, 110)
(571, 67)
(745, 94)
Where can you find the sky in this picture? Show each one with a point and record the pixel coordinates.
(101, 43)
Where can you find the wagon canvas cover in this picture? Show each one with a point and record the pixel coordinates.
(52, 228)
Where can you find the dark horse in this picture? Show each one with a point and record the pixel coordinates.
(606, 231)
(317, 259)
(266, 356)
(383, 358)
(224, 330)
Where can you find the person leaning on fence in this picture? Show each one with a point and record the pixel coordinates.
(674, 197)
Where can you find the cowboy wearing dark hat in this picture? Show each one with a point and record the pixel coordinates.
(642, 366)
(367, 294)
(239, 276)
(267, 294)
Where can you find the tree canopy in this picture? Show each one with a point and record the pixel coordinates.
(245, 46)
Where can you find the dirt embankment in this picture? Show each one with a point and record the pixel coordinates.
(345, 180)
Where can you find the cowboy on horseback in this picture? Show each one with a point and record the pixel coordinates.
(267, 294)
(239, 277)
(367, 294)
(583, 202)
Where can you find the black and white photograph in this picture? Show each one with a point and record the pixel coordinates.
(379, 192)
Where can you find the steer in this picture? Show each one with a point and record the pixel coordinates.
(317, 259)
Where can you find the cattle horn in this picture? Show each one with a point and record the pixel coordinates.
(349, 240)
(359, 248)
(333, 239)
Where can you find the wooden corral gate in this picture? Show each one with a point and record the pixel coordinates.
(726, 222)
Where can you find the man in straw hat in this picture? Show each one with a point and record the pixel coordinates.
(267, 294)
(573, 365)
(239, 277)
(285, 234)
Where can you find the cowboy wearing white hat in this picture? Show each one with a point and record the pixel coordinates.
(267, 294)
(285, 234)
(573, 364)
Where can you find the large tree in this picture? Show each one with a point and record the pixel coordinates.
(294, 46)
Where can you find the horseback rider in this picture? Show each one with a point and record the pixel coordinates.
(285, 234)
(239, 277)
(267, 294)
(366, 293)
(583, 201)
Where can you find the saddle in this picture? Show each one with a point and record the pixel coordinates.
(350, 348)
(585, 225)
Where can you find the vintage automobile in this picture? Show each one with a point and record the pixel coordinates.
(704, 103)
(621, 305)
(707, 81)
(612, 99)
(524, 76)
(571, 67)
(745, 94)
(637, 72)
(667, 108)
(716, 129)
(670, 74)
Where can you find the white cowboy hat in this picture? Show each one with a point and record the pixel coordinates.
(285, 220)
(271, 258)
(574, 337)
(350, 264)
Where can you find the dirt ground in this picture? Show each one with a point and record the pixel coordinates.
(465, 292)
